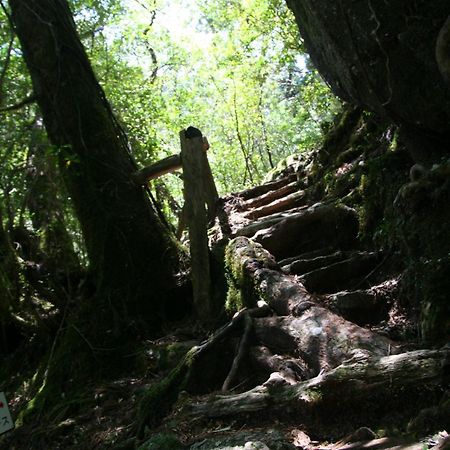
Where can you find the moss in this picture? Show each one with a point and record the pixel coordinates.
(159, 398)
(235, 300)
(340, 134)
(172, 354)
(240, 285)
(427, 285)
(313, 395)
(379, 185)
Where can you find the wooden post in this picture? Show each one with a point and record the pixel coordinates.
(195, 186)
(211, 194)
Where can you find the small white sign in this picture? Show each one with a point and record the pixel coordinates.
(6, 422)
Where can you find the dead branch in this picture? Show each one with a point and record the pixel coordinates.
(166, 165)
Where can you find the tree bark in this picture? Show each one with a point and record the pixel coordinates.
(131, 253)
(442, 50)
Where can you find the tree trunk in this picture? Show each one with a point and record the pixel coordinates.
(9, 286)
(131, 254)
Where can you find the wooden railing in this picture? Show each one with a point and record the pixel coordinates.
(199, 210)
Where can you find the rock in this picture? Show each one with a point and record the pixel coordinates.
(249, 440)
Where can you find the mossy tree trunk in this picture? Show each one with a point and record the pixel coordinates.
(131, 253)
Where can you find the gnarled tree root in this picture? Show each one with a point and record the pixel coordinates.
(361, 377)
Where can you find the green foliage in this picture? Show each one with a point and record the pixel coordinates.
(237, 70)
(239, 76)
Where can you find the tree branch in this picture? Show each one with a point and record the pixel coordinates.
(26, 101)
(6, 65)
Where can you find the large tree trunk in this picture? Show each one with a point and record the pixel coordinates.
(131, 253)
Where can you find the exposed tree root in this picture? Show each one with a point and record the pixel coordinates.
(318, 226)
(270, 196)
(267, 187)
(302, 352)
(362, 377)
(293, 200)
(341, 274)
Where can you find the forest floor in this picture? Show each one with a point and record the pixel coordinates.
(107, 420)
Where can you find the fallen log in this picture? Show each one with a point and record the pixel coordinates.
(316, 227)
(355, 381)
(311, 339)
(307, 256)
(265, 362)
(320, 339)
(267, 221)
